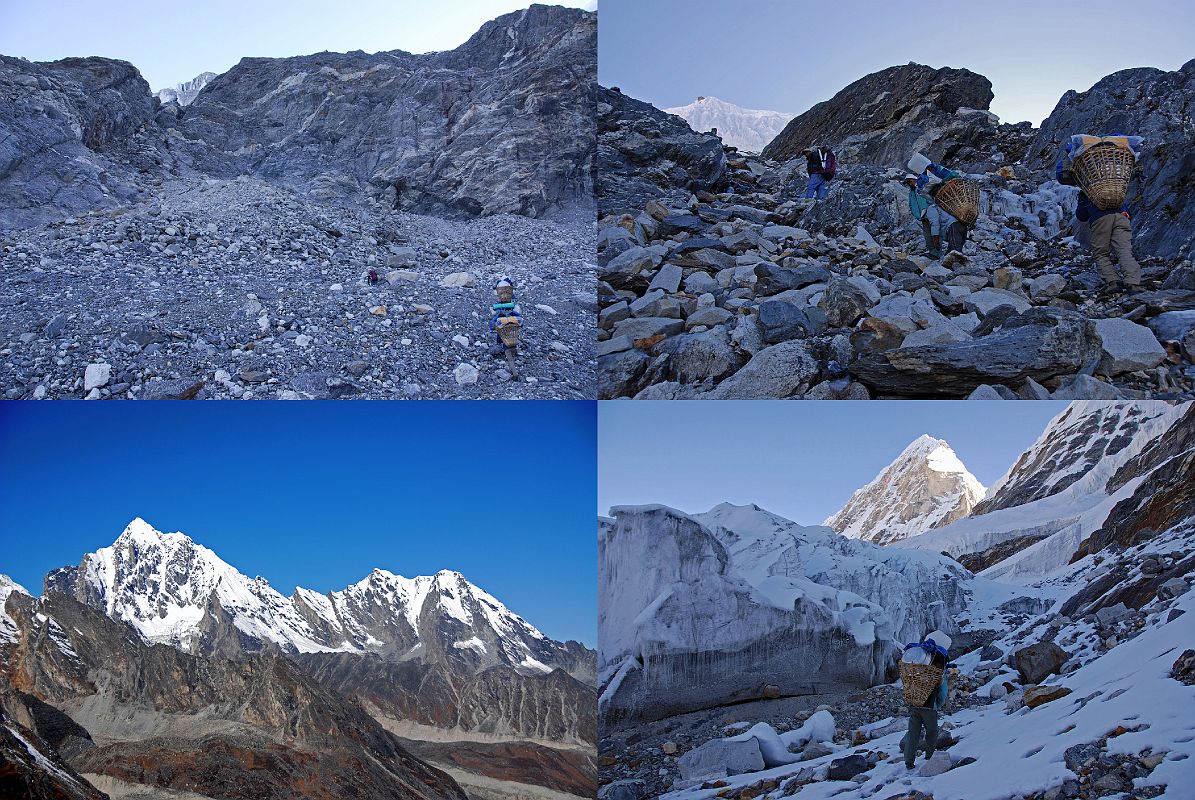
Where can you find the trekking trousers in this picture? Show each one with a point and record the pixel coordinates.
(817, 187)
(929, 237)
(956, 236)
(918, 718)
(1112, 233)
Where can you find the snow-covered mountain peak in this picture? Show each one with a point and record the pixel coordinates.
(925, 487)
(745, 128)
(8, 629)
(185, 93)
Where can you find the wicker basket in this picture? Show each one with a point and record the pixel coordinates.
(960, 199)
(920, 682)
(508, 332)
(1103, 173)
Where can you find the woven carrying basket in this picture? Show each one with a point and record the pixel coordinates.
(1103, 173)
(920, 682)
(960, 199)
(508, 332)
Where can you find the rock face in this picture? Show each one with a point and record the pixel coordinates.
(502, 124)
(260, 711)
(703, 610)
(74, 136)
(746, 129)
(886, 116)
(644, 153)
(927, 486)
(1146, 102)
(31, 767)
(185, 93)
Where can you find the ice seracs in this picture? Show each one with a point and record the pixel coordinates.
(747, 129)
(927, 486)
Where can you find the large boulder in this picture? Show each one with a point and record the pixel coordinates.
(721, 757)
(1037, 661)
(884, 117)
(1040, 343)
(1147, 102)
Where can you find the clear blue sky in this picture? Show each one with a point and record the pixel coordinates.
(787, 55)
(318, 494)
(174, 42)
(802, 460)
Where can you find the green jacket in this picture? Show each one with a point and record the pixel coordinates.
(918, 203)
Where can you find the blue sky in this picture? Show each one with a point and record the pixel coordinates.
(787, 55)
(318, 494)
(174, 42)
(801, 460)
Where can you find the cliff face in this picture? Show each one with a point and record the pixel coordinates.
(502, 124)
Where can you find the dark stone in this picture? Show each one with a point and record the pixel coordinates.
(1037, 661)
(782, 321)
(181, 389)
(843, 769)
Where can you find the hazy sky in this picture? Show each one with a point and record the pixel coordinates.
(318, 494)
(787, 55)
(174, 42)
(801, 460)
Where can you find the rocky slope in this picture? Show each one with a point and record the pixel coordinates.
(185, 93)
(735, 287)
(237, 289)
(882, 118)
(927, 486)
(747, 129)
(155, 716)
(643, 153)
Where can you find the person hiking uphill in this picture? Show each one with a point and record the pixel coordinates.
(1111, 232)
(822, 165)
(919, 207)
(930, 177)
(923, 714)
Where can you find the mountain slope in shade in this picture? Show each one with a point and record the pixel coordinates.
(170, 720)
(747, 129)
(927, 486)
(185, 93)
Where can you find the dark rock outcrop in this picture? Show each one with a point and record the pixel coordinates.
(73, 137)
(644, 153)
(1146, 102)
(1037, 661)
(884, 117)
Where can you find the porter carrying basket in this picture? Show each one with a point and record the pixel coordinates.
(508, 331)
(1103, 172)
(920, 682)
(960, 199)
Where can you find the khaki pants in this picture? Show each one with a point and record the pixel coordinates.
(920, 718)
(1112, 233)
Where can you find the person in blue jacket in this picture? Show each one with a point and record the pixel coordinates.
(505, 307)
(927, 716)
(1111, 231)
(919, 207)
(930, 177)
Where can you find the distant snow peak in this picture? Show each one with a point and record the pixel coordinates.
(747, 129)
(927, 486)
(185, 93)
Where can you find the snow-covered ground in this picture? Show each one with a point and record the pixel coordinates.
(1122, 698)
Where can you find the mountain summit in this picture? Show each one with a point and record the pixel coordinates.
(927, 486)
(745, 128)
(177, 592)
